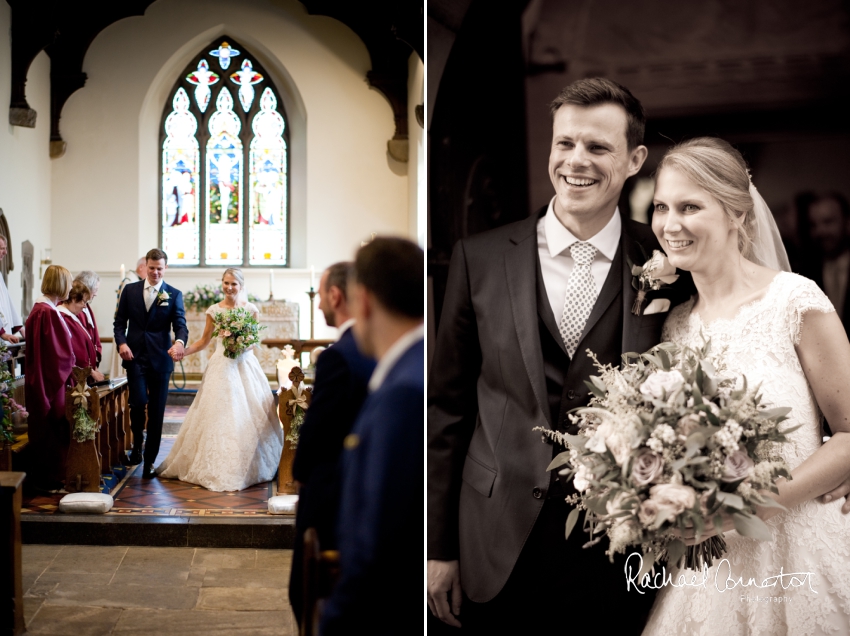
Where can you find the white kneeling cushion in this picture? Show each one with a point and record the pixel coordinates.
(88, 502)
(283, 505)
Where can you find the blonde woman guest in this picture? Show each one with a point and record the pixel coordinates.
(49, 361)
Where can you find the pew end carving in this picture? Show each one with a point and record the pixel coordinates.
(296, 398)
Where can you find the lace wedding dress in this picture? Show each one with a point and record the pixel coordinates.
(759, 342)
(231, 437)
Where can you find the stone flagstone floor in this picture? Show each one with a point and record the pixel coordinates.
(94, 590)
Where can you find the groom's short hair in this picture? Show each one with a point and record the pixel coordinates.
(599, 90)
(156, 255)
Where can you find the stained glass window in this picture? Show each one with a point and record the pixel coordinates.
(225, 164)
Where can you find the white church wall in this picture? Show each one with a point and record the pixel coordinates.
(344, 186)
(24, 162)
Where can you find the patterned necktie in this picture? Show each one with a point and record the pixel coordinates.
(149, 298)
(580, 296)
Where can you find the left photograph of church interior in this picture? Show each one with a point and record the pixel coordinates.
(190, 195)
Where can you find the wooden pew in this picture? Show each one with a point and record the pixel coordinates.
(11, 580)
(286, 412)
(88, 460)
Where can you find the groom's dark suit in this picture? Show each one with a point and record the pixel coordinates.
(146, 332)
(500, 368)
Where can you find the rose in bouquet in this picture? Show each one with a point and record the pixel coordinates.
(239, 330)
(670, 443)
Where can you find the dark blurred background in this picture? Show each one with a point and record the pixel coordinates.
(772, 78)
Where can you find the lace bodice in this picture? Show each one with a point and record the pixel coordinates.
(760, 343)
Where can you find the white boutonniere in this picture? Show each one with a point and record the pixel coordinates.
(162, 298)
(653, 275)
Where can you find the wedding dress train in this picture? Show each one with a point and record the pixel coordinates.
(810, 539)
(231, 437)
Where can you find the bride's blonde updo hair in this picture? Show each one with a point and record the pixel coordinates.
(240, 277)
(237, 274)
(716, 167)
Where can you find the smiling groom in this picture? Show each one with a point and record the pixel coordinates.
(523, 303)
(147, 311)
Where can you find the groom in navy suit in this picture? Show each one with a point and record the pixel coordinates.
(381, 517)
(147, 311)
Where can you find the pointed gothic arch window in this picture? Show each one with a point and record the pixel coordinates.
(224, 167)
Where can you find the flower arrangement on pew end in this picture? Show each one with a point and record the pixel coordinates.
(669, 444)
(9, 405)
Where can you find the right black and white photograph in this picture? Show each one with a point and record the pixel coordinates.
(638, 416)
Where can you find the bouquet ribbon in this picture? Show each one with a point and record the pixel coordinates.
(300, 399)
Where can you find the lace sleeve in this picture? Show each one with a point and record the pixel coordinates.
(804, 295)
(212, 310)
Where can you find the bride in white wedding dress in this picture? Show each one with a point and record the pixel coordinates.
(231, 437)
(782, 332)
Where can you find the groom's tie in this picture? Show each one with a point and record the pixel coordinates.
(580, 296)
(149, 296)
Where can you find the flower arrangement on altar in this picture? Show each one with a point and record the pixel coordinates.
(669, 443)
(10, 406)
(202, 297)
(239, 330)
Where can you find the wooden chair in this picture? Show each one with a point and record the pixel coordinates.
(321, 571)
(286, 412)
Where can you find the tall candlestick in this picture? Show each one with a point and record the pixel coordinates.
(271, 284)
(312, 277)
(121, 278)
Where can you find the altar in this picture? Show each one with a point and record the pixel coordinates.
(280, 317)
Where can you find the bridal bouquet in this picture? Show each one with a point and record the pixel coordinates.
(668, 442)
(239, 330)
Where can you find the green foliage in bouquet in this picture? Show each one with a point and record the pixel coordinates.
(239, 330)
(669, 442)
(202, 297)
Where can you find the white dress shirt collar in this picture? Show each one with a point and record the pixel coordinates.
(344, 327)
(392, 355)
(157, 287)
(559, 238)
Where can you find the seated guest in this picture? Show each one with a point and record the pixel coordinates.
(11, 325)
(92, 281)
(73, 311)
(49, 361)
(381, 510)
(342, 373)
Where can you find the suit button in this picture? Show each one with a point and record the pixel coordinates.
(537, 493)
(571, 395)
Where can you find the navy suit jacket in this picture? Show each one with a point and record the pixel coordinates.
(147, 332)
(381, 514)
(342, 375)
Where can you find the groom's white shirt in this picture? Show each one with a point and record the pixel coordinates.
(157, 287)
(556, 261)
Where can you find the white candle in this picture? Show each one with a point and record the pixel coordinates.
(122, 273)
(271, 282)
(312, 277)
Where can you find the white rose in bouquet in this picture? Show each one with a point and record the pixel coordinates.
(661, 383)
